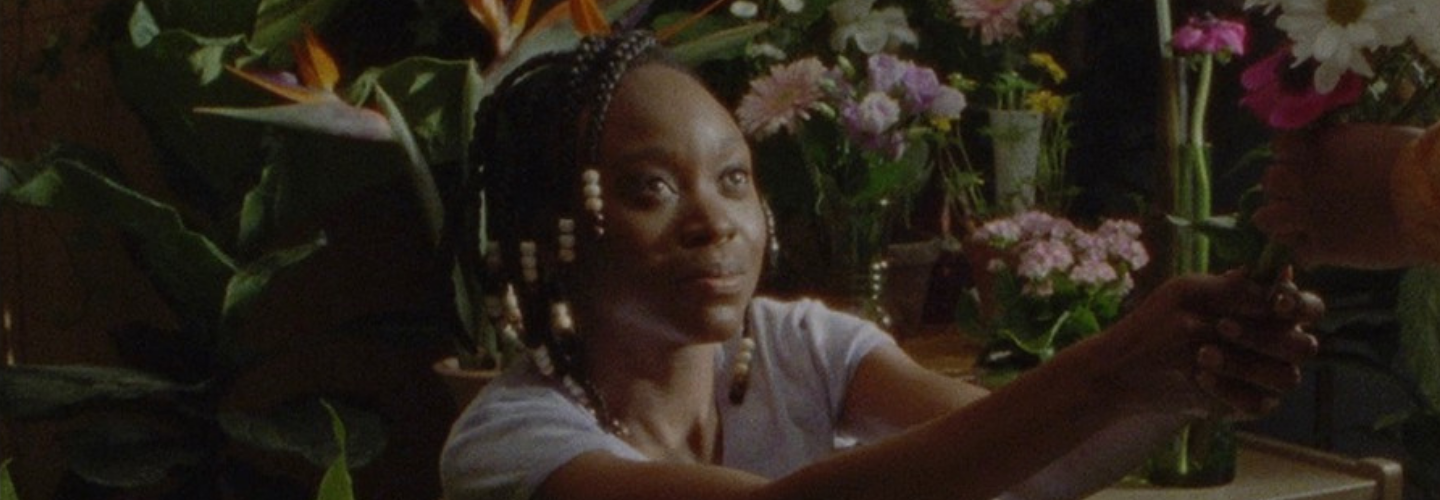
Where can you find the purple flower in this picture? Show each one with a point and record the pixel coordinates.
(868, 122)
(1211, 35)
(920, 87)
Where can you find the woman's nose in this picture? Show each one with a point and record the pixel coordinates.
(709, 219)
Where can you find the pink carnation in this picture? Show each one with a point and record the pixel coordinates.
(782, 99)
(1210, 35)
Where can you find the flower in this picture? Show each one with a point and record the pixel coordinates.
(868, 122)
(1055, 283)
(1339, 33)
(1210, 35)
(744, 9)
(1047, 62)
(1426, 37)
(781, 99)
(872, 30)
(996, 20)
(792, 6)
(1283, 96)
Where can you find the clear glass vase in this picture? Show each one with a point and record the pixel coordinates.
(1202, 454)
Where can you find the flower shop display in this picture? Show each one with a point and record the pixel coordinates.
(864, 136)
(1048, 284)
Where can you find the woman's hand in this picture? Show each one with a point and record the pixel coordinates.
(1327, 196)
(1216, 345)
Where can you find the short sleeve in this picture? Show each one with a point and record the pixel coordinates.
(514, 436)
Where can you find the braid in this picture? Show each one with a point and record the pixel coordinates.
(531, 146)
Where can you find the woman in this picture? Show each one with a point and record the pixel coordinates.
(658, 373)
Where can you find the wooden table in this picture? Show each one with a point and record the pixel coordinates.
(1266, 469)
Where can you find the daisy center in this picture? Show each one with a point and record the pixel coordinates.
(1345, 12)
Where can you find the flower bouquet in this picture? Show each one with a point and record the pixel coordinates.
(1047, 284)
(864, 137)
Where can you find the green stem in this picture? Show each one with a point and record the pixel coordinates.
(1201, 180)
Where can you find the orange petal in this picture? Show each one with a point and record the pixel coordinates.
(292, 92)
(676, 28)
(317, 69)
(491, 14)
(522, 16)
(588, 19)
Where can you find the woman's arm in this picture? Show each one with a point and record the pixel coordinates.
(1142, 365)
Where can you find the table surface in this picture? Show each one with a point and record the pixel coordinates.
(1266, 469)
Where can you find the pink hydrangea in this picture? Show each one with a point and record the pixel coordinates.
(1043, 257)
(1093, 272)
(782, 99)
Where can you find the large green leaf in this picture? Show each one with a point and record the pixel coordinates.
(164, 74)
(128, 452)
(253, 279)
(720, 45)
(203, 18)
(185, 267)
(1418, 308)
(303, 427)
(311, 175)
(437, 97)
(35, 392)
(422, 180)
(336, 485)
(279, 21)
(7, 484)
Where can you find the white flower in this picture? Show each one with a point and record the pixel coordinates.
(792, 6)
(872, 30)
(1426, 36)
(743, 9)
(1339, 34)
(765, 50)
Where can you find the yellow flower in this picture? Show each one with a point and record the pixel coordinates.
(1046, 102)
(1047, 62)
(941, 124)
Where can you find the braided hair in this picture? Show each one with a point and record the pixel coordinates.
(537, 141)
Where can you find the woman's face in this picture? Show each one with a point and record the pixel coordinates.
(684, 229)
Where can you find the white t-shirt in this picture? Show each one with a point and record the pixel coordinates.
(522, 426)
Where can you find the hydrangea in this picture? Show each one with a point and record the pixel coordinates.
(1050, 253)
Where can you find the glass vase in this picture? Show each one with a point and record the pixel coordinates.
(1202, 454)
(1015, 136)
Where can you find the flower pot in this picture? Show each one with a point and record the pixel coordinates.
(1015, 136)
(463, 383)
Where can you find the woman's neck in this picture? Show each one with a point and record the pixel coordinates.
(663, 394)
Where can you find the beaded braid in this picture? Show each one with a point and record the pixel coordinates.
(534, 266)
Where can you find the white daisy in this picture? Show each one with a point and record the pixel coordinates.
(1339, 34)
(1425, 35)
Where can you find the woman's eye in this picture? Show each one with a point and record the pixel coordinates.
(735, 179)
(657, 188)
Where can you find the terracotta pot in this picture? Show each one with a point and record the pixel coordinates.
(463, 383)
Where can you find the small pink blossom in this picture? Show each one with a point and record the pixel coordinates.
(1043, 257)
(782, 99)
(1285, 97)
(997, 20)
(1093, 273)
(1210, 35)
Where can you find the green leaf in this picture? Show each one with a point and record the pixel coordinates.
(186, 268)
(164, 76)
(129, 452)
(253, 279)
(277, 22)
(438, 98)
(336, 485)
(303, 427)
(422, 181)
(719, 45)
(47, 391)
(897, 179)
(1418, 309)
(7, 484)
(230, 17)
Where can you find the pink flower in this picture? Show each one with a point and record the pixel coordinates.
(1211, 35)
(782, 99)
(1284, 96)
(997, 20)
(1044, 257)
(1093, 273)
